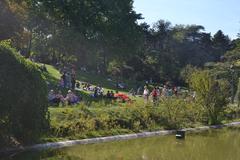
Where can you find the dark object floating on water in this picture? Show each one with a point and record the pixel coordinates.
(180, 135)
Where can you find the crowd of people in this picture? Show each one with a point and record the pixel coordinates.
(98, 92)
(160, 92)
(57, 98)
(68, 80)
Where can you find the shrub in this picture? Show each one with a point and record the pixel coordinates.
(84, 121)
(186, 73)
(178, 113)
(238, 93)
(23, 109)
(212, 94)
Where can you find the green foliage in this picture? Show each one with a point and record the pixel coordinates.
(22, 96)
(232, 111)
(8, 20)
(179, 113)
(104, 36)
(238, 93)
(212, 94)
(169, 49)
(187, 72)
(221, 44)
(84, 121)
(234, 54)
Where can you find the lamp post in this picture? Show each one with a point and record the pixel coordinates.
(232, 71)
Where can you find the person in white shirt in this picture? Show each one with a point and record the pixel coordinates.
(145, 94)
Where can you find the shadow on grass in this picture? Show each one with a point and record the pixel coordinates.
(100, 80)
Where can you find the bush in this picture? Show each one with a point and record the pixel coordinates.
(186, 73)
(212, 94)
(179, 113)
(23, 109)
(84, 121)
(238, 93)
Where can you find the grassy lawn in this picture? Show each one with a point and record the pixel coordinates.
(53, 76)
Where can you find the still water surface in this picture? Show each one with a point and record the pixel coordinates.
(223, 144)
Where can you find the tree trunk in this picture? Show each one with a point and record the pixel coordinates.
(28, 54)
(104, 63)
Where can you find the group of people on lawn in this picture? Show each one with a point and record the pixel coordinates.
(158, 92)
(71, 98)
(68, 80)
(98, 92)
(57, 98)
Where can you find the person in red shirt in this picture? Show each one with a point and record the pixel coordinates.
(154, 95)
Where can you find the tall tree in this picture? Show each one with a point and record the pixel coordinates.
(221, 44)
(9, 23)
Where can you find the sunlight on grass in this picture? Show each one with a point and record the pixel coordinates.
(53, 72)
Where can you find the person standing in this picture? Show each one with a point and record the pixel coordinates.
(73, 73)
(164, 91)
(69, 80)
(64, 80)
(175, 91)
(73, 80)
(154, 95)
(145, 94)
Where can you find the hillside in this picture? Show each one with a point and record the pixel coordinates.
(53, 75)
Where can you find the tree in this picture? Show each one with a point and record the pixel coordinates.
(97, 33)
(234, 53)
(9, 23)
(221, 44)
(107, 30)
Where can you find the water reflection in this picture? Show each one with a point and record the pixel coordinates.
(221, 144)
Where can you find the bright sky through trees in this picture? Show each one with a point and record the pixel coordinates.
(212, 14)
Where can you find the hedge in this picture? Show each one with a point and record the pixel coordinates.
(23, 101)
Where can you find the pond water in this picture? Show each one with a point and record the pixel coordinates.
(221, 144)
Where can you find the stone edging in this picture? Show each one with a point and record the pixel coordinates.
(57, 145)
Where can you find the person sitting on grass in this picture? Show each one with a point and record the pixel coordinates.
(84, 86)
(111, 95)
(101, 91)
(95, 93)
(108, 95)
(60, 97)
(53, 100)
(71, 98)
(91, 88)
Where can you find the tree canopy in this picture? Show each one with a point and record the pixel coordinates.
(106, 35)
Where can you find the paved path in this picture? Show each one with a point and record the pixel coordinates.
(57, 145)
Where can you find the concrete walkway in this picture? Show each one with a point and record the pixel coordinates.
(57, 145)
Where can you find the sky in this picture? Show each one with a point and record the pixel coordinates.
(212, 14)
